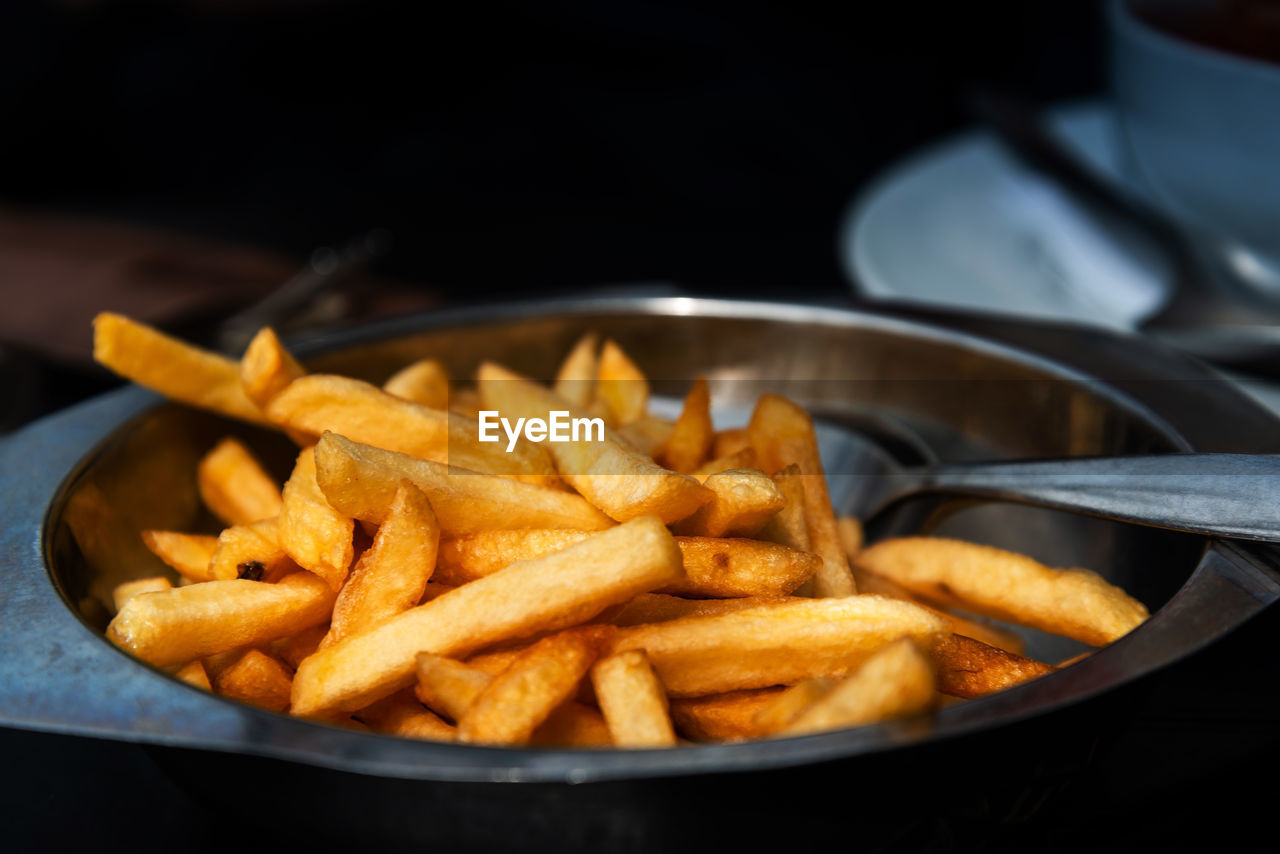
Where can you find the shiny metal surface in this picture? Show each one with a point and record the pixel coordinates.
(78, 486)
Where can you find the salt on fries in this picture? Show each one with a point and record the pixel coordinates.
(652, 584)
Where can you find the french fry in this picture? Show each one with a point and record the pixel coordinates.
(127, 590)
(620, 385)
(392, 574)
(251, 552)
(257, 679)
(424, 381)
(777, 644)
(401, 714)
(465, 402)
(647, 434)
(786, 706)
(175, 369)
(267, 367)
(520, 698)
(789, 526)
(728, 442)
(572, 725)
(722, 717)
(610, 474)
(1076, 603)
(782, 434)
(176, 626)
(576, 379)
(365, 413)
(189, 554)
(633, 701)
(970, 668)
(553, 592)
(660, 607)
(690, 440)
(361, 481)
(851, 537)
(194, 675)
(744, 458)
(894, 682)
(317, 537)
(293, 649)
(718, 567)
(742, 501)
(234, 487)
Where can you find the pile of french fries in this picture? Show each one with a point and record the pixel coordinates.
(659, 584)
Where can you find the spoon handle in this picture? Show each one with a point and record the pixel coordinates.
(1230, 495)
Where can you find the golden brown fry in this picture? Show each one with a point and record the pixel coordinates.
(786, 706)
(894, 682)
(633, 701)
(267, 367)
(646, 434)
(185, 623)
(610, 474)
(127, 590)
(997, 636)
(553, 592)
(401, 714)
(317, 537)
(257, 679)
(520, 698)
(250, 551)
(782, 434)
(425, 382)
(744, 458)
(166, 365)
(969, 668)
(726, 443)
(620, 385)
(234, 486)
(572, 725)
(293, 649)
(778, 644)
(659, 608)
(392, 573)
(850, 536)
(789, 526)
(189, 554)
(742, 501)
(1076, 603)
(576, 379)
(194, 675)
(448, 686)
(690, 440)
(365, 413)
(719, 567)
(361, 481)
(722, 717)
(465, 402)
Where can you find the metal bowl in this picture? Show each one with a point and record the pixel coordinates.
(78, 486)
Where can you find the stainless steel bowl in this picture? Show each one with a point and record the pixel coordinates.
(79, 485)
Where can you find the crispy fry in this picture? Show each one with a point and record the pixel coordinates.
(189, 554)
(718, 567)
(234, 487)
(392, 574)
(267, 367)
(257, 679)
(789, 526)
(782, 434)
(465, 402)
(778, 644)
(361, 481)
(1076, 603)
(572, 725)
(556, 591)
(647, 433)
(690, 440)
(633, 701)
(424, 381)
(894, 682)
(742, 501)
(168, 366)
(620, 385)
(660, 607)
(179, 625)
(722, 717)
(729, 442)
(520, 698)
(969, 668)
(786, 706)
(293, 649)
(317, 537)
(850, 536)
(576, 379)
(401, 714)
(250, 551)
(610, 474)
(744, 458)
(194, 675)
(127, 590)
(364, 413)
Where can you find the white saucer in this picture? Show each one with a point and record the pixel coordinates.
(963, 225)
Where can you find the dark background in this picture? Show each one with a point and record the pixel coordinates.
(528, 149)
